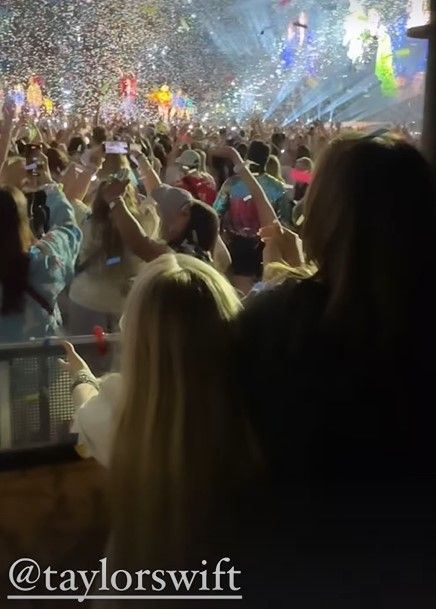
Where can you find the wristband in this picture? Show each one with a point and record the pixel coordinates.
(84, 377)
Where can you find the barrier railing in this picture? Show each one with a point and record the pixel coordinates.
(35, 402)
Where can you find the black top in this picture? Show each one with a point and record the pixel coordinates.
(346, 431)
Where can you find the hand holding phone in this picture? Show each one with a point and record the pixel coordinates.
(116, 147)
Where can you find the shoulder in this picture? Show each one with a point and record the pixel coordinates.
(231, 182)
(288, 304)
(274, 182)
(95, 420)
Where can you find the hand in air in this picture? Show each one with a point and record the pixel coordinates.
(73, 364)
(113, 190)
(281, 245)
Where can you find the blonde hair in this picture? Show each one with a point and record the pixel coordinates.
(276, 273)
(179, 437)
(113, 163)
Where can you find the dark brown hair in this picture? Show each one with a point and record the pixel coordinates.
(16, 239)
(203, 226)
(370, 226)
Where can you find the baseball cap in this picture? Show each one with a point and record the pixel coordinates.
(189, 158)
(170, 198)
(204, 223)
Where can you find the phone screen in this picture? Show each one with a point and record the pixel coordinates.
(116, 147)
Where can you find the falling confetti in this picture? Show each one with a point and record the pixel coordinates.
(80, 48)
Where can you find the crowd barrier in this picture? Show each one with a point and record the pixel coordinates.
(35, 400)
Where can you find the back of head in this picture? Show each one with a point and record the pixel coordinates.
(273, 167)
(99, 136)
(278, 140)
(57, 162)
(222, 169)
(203, 227)
(76, 145)
(15, 239)
(302, 151)
(242, 148)
(178, 431)
(370, 222)
(258, 153)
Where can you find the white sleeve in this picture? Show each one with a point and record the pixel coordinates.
(94, 421)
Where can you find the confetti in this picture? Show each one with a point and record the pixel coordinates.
(230, 63)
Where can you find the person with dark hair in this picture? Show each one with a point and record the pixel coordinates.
(57, 163)
(76, 147)
(221, 169)
(99, 136)
(34, 272)
(278, 140)
(239, 219)
(242, 148)
(301, 152)
(344, 368)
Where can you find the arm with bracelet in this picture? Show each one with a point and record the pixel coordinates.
(148, 176)
(94, 404)
(131, 231)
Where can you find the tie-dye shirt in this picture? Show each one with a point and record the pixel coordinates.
(52, 262)
(235, 206)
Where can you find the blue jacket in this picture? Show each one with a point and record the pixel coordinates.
(52, 261)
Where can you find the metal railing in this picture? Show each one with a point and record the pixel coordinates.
(35, 401)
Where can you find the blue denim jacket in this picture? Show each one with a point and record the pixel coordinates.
(52, 261)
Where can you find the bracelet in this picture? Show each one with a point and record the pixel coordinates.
(84, 377)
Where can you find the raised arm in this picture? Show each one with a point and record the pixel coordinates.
(77, 178)
(265, 210)
(131, 231)
(147, 174)
(6, 132)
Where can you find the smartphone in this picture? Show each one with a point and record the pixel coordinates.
(116, 148)
(32, 167)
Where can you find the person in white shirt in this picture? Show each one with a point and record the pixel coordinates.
(166, 427)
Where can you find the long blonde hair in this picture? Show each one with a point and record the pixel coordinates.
(180, 438)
